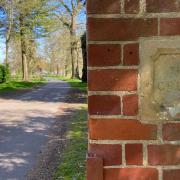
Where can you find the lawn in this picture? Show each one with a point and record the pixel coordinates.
(15, 85)
(75, 83)
(73, 159)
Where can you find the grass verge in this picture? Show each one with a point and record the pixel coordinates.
(75, 83)
(15, 85)
(73, 166)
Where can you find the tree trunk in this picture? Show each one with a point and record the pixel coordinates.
(66, 65)
(77, 64)
(8, 35)
(84, 52)
(73, 46)
(72, 56)
(23, 50)
(8, 74)
(7, 51)
(25, 67)
(57, 70)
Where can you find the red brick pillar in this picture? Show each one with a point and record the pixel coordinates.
(129, 148)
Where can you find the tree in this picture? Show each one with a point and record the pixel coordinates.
(32, 21)
(23, 23)
(7, 17)
(57, 50)
(6, 9)
(68, 12)
(9, 11)
(84, 52)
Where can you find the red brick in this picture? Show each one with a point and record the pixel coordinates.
(134, 154)
(130, 105)
(131, 54)
(94, 168)
(119, 129)
(173, 174)
(104, 55)
(113, 80)
(160, 6)
(171, 131)
(132, 6)
(104, 105)
(164, 154)
(103, 6)
(111, 154)
(131, 174)
(170, 26)
(116, 29)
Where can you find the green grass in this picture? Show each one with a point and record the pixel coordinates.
(75, 83)
(74, 157)
(15, 85)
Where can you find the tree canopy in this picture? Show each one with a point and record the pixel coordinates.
(24, 23)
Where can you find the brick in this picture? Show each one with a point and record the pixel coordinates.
(130, 105)
(161, 6)
(164, 154)
(113, 80)
(119, 129)
(132, 6)
(94, 168)
(111, 154)
(173, 174)
(103, 6)
(104, 55)
(131, 174)
(134, 154)
(171, 131)
(104, 105)
(131, 54)
(110, 29)
(170, 26)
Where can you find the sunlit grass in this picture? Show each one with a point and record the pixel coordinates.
(74, 157)
(75, 83)
(15, 85)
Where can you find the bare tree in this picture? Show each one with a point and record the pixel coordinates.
(68, 13)
(7, 7)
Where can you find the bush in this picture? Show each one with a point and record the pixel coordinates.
(8, 75)
(3, 73)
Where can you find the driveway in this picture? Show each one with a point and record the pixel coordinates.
(24, 124)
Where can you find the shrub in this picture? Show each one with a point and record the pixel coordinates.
(3, 74)
(7, 73)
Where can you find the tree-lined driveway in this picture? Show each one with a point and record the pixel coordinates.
(24, 124)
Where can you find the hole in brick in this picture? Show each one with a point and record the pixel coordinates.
(108, 50)
(130, 52)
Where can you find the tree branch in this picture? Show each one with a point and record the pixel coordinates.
(65, 6)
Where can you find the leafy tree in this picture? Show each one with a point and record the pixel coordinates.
(3, 73)
(23, 22)
(32, 20)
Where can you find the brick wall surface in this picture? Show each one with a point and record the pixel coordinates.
(121, 147)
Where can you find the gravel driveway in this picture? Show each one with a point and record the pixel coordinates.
(25, 121)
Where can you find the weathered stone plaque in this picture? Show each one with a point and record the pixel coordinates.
(159, 82)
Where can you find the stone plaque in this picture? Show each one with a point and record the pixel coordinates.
(159, 82)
